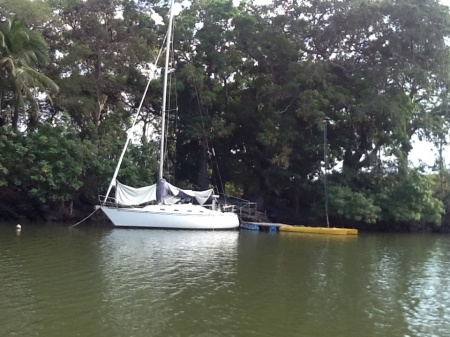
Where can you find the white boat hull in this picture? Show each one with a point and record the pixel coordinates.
(181, 216)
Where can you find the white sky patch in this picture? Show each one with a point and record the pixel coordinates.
(177, 8)
(424, 152)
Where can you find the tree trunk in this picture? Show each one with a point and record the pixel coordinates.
(297, 203)
(2, 116)
(15, 119)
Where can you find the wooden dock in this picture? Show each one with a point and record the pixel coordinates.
(275, 227)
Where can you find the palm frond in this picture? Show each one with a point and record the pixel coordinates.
(21, 51)
(38, 79)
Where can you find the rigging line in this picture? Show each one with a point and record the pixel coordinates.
(166, 70)
(116, 172)
(176, 118)
(206, 134)
(166, 134)
(325, 159)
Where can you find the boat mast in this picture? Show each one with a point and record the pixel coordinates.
(166, 71)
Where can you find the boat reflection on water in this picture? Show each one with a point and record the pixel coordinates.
(160, 272)
(154, 247)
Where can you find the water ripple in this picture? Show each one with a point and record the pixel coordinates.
(97, 282)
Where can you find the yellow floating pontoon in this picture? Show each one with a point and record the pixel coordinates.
(319, 230)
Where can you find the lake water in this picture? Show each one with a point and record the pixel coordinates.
(56, 281)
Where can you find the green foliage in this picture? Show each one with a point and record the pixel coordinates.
(409, 198)
(140, 165)
(98, 64)
(351, 205)
(393, 198)
(232, 189)
(47, 165)
(22, 51)
(36, 13)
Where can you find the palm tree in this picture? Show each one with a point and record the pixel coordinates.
(22, 51)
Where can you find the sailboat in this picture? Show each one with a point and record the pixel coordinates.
(172, 208)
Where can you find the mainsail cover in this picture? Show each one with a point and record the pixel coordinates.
(167, 194)
(130, 196)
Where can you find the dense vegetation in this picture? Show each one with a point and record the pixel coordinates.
(255, 89)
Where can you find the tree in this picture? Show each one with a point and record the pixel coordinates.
(409, 198)
(206, 60)
(43, 167)
(101, 61)
(365, 65)
(36, 13)
(22, 51)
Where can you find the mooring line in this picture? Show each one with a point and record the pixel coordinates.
(85, 218)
